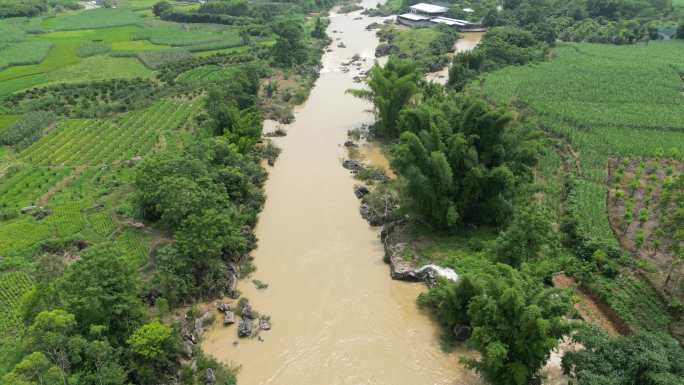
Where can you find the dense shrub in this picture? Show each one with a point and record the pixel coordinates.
(88, 99)
(28, 130)
(461, 162)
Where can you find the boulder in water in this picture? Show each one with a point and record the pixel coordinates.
(353, 165)
(228, 318)
(264, 323)
(245, 328)
(360, 191)
(246, 311)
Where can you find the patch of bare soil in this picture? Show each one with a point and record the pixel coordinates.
(591, 309)
(639, 205)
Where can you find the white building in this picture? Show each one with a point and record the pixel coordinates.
(428, 9)
(424, 14)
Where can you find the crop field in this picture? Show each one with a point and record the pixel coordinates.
(639, 87)
(101, 67)
(27, 185)
(608, 102)
(92, 48)
(91, 19)
(620, 100)
(103, 141)
(180, 35)
(155, 59)
(210, 73)
(24, 53)
(7, 120)
(64, 167)
(12, 286)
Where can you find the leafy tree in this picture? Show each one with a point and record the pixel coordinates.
(390, 89)
(154, 347)
(101, 361)
(289, 49)
(450, 301)
(161, 8)
(34, 369)
(150, 176)
(644, 359)
(515, 323)
(208, 240)
(524, 239)
(459, 163)
(680, 31)
(319, 29)
(54, 334)
(102, 289)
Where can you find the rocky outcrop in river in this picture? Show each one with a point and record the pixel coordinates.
(400, 257)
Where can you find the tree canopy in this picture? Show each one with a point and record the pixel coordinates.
(459, 162)
(643, 358)
(391, 87)
(515, 323)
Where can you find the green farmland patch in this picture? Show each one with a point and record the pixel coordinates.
(13, 285)
(92, 19)
(607, 100)
(24, 53)
(210, 73)
(70, 171)
(181, 35)
(155, 59)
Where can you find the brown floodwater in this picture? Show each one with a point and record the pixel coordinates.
(337, 316)
(467, 41)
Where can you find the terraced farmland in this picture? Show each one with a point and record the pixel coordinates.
(95, 142)
(64, 167)
(13, 285)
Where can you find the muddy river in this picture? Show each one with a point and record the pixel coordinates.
(337, 316)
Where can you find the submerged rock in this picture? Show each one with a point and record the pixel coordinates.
(400, 267)
(386, 49)
(246, 311)
(353, 165)
(264, 324)
(360, 191)
(245, 328)
(228, 318)
(371, 215)
(187, 349)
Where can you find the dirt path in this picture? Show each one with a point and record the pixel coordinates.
(45, 198)
(588, 307)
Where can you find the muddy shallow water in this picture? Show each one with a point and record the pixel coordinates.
(337, 316)
(467, 41)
